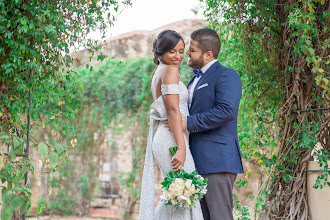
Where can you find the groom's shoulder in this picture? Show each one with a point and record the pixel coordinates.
(224, 70)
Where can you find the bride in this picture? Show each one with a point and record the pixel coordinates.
(170, 101)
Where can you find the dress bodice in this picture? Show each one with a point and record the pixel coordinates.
(158, 108)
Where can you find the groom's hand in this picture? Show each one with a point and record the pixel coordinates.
(183, 120)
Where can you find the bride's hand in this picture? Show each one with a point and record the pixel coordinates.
(179, 159)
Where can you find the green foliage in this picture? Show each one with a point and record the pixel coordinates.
(43, 149)
(36, 81)
(280, 51)
(6, 213)
(42, 204)
(197, 181)
(69, 190)
(113, 91)
(242, 212)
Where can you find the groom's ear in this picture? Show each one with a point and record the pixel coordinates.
(208, 55)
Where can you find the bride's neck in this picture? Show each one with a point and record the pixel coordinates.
(161, 64)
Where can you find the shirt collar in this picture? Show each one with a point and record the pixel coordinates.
(207, 66)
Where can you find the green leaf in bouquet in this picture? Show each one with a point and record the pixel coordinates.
(171, 174)
(205, 180)
(173, 150)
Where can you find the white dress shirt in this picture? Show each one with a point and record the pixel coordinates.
(192, 86)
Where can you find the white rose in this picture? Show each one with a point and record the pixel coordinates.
(192, 188)
(188, 183)
(179, 181)
(187, 193)
(176, 188)
(169, 195)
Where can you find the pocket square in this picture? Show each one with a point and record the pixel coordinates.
(202, 86)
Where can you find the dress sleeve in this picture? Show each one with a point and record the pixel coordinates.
(170, 89)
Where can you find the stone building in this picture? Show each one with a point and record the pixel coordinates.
(136, 43)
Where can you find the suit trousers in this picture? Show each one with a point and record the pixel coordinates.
(217, 204)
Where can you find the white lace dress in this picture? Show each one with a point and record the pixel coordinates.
(158, 145)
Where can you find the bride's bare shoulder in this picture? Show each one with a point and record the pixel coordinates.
(171, 75)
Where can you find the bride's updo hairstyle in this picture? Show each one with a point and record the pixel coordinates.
(165, 41)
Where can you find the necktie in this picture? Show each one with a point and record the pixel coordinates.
(198, 72)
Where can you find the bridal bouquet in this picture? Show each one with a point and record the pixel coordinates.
(183, 189)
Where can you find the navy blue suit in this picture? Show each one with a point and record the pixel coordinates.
(213, 121)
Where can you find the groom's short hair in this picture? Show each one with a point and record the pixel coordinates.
(208, 40)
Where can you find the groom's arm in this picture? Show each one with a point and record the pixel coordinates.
(227, 97)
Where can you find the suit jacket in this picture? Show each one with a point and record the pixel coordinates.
(213, 121)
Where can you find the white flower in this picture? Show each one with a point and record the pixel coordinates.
(179, 181)
(182, 198)
(204, 191)
(187, 193)
(169, 195)
(199, 177)
(190, 188)
(188, 183)
(176, 188)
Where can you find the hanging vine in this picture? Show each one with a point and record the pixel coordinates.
(281, 50)
(36, 85)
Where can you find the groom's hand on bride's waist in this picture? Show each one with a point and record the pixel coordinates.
(183, 120)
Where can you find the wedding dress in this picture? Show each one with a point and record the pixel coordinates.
(157, 147)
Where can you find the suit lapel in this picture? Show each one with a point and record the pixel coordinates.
(192, 79)
(206, 75)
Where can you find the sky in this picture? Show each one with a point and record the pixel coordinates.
(152, 14)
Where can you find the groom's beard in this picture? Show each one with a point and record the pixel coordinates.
(195, 64)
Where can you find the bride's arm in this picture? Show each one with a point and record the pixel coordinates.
(174, 117)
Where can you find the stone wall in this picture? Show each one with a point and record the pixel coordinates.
(135, 43)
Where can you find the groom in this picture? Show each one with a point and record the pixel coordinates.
(214, 95)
